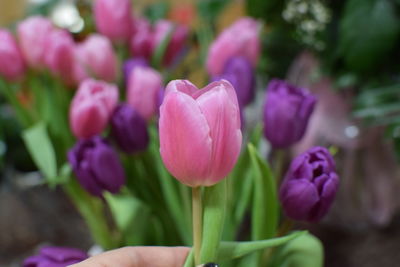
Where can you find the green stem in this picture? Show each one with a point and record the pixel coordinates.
(91, 211)
(22, 114)
(197, 222)
(280, 157)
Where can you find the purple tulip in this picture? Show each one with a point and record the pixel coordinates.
(55, 257)
(132, 63)
(129, 129)
(96, 165)
(239, 72)
(286, 113)
(310, 185)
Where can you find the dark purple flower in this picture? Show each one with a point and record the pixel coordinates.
(310, 185)
(96, 165)
(239, 72)
(286, 113)
(129, 129)
(132, 63)
(55, 257)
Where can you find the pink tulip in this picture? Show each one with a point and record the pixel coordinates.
(200, 136)
(97, 56)
(60, 55)
(91, 107)
(240, 39)
(32, 33)
(144, 84)
(12, 66)
(178, 37)
(113, 18)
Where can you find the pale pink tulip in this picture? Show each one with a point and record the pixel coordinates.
(240, 39)
(98, 58)
(32, 34)
(200, 136)
(60, 55)
(12, 65)
(113, 19)
(91, 107)
(144, 84)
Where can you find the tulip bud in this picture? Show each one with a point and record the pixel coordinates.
(286, 113)
(60, 55)
(132, 63)
(55, 256)
(143, 86)
(240, 39)
(239, 72)
(129, 129)
(32, 34)
(310, 185)
(178, 37)
(92, 107)
(96, 166)
(12, 66)
(113, 18)
(200, 136)
(98, 58)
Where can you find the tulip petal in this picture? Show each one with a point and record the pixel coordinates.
(299, 197)
(107, 169)
(220, 107)
(185, 142)
(183, 86)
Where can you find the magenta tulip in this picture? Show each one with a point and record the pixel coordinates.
(200, 136)
(178, 35)
(144, 84)
(32, 34)
(114, 19)
(141, 41)
(92, 107)
(240, 39)
(60, 55)
(12, 65)
(97, 56)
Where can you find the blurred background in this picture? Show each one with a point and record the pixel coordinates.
(346, 52)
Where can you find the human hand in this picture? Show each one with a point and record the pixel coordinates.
(138, 257)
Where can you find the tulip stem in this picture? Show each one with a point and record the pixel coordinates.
(197, 222)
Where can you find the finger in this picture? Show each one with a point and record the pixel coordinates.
(139, 257)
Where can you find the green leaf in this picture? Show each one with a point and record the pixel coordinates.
(368, 31)
(304, 251)
(265, 204)
(41, 149)
(190, 259)
(130, 215)
(213, 220)
(232, 250)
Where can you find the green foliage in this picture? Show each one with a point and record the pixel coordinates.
(269, 10)
(156, 11)
(265, 212)
(279, 48)
(41, 149)
(368, 31)
(210, 9)
(304, 251)
(232, 250)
